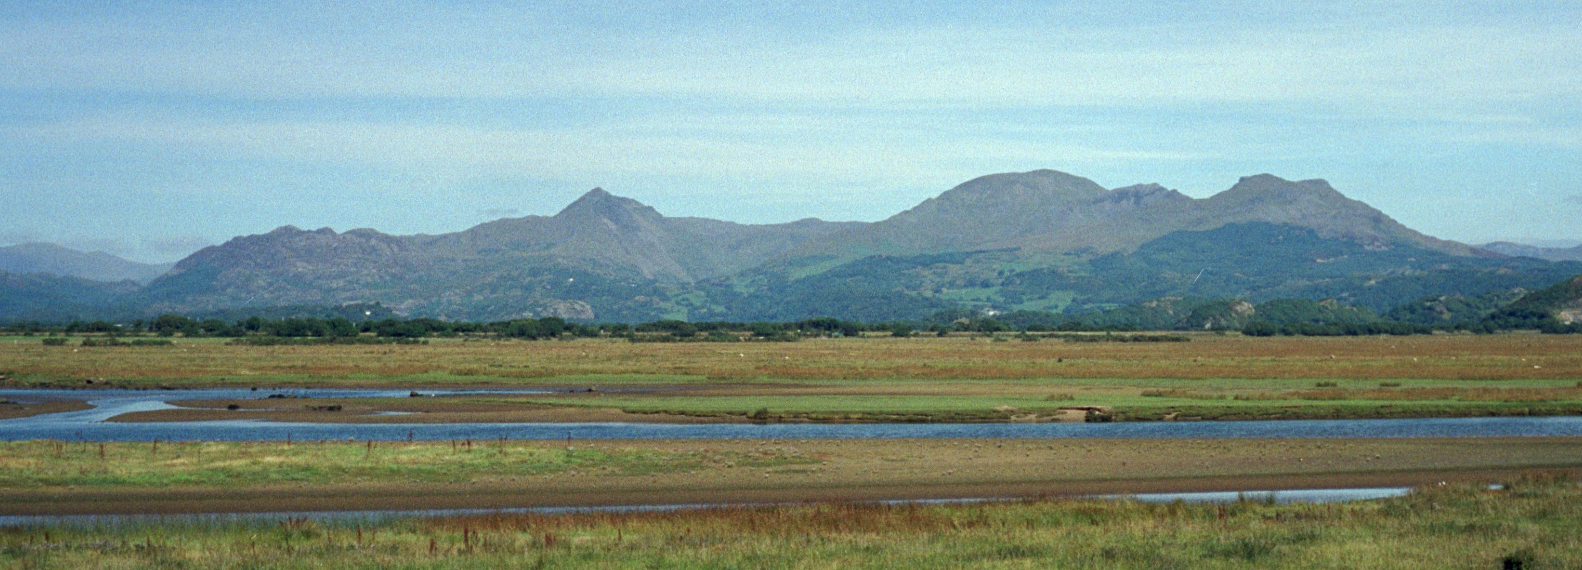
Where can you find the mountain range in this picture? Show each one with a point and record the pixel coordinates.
(1041, 240)
(26, 258)
(1523, 250)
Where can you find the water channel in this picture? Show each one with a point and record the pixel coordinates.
(90, 425)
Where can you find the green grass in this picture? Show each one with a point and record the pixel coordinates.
(943, 405)
(1535, 523)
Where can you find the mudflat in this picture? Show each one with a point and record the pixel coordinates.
(9, 409)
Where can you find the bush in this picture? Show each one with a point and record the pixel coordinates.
(54, 341)
(1260, 328)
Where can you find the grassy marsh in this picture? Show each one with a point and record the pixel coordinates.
(1532, 523)
(209, 362)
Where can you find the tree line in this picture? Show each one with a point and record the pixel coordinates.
(1293, 318)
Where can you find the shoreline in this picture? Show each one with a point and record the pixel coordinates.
(437, 411)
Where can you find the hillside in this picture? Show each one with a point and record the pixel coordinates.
(1257, 261)
(1562, 301)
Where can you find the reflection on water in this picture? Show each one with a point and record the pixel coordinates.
(349, 518)
(1282, 497)
(89, 425)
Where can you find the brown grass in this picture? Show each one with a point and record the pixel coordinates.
(1447, 357)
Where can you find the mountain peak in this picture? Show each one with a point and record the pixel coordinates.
(1141, 194)
(1005, 195)
(1266, 186)
(1038, 186)
(597, 203)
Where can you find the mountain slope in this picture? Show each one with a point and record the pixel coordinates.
(94, 266)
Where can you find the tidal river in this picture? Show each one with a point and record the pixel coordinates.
(90, 425)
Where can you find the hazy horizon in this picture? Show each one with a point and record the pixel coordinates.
(151, 129)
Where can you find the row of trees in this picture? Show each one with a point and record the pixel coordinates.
(940, 325)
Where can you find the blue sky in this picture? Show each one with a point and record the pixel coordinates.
(150, 129)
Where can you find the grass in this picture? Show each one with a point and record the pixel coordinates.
(1533, 523)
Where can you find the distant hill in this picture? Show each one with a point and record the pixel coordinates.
(1522, 250)
(602, 257)
(50, 297)
(1038, 242)
(95, 266)
(1049, 211)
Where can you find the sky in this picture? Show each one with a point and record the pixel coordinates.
(152, 129)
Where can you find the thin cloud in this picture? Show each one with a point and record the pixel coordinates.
(888, 61)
